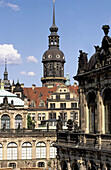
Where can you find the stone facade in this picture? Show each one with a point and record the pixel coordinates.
(17, 154)
(88, 147)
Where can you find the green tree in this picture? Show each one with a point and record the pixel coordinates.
(30, 123)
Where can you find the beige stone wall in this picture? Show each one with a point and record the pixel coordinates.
(19, 141)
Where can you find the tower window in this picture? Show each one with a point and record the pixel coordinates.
(57, 56)
(49, 56)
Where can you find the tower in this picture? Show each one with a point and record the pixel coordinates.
(53, 59)
(7, 84)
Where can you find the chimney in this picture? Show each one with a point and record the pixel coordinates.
(22, 85)
(33, 86)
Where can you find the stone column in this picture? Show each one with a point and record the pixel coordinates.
(99, 111)
(12, 121)
(81, 108)
(34, 149)
(19, 150)
(4, 150)
(68, 165)
(85, 114)
(58, 165)
(48, 150)
(102, 117)
(25, 120)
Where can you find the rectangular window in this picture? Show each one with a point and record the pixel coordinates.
(52, 115)
(57, 96)
(67, 96)
(73, 105)
(39, 116)
(33, 116)
(52, 105)
(62, 105)
(76, 116)
(65, 116)
(43, 116)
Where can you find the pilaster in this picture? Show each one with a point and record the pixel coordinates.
(4, 150)
(34, 149)
(19, 150)
(48, 150)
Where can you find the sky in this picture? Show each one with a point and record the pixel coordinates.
(24, 30)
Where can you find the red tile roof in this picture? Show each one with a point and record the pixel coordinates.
(42, 93)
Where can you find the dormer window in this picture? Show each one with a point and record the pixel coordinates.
(32, 104)
(41, 104)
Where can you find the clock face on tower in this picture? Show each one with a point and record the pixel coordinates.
(49, 56)
(57, 56)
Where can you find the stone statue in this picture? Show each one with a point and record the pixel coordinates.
(47, 127)
(18, 126)
(59, 124)
(70, 124)
(97, 54)
(106, 42)
(82, 61)
(4, 126)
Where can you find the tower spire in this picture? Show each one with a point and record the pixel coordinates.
(5, 72)
(53, 12)
(5, 64)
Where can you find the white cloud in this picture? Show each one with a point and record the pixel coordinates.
(7, 51)
(23, 73)
(31, 73)
(13, 6)
(10, 5)
(32, 59)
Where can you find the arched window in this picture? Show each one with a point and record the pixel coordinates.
(41, 164)
(1, 151)
(26, 150)
(13, 165)
(75, 166)
(41, 150)
(64, 165)
(18, 121)
(53, 151)
(107, 109)
(92, 106)
(12, 151)
(5, 122)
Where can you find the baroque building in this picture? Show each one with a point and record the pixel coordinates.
(89, 146)
(22, 147)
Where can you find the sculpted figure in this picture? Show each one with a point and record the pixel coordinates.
(70, 124)
(98, 58)
(4, 126)
(82, 61)
(59, 124)
(106, 42)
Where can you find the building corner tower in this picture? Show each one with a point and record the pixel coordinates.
(53, 59)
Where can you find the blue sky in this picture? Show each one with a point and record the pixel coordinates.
(24, 30)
